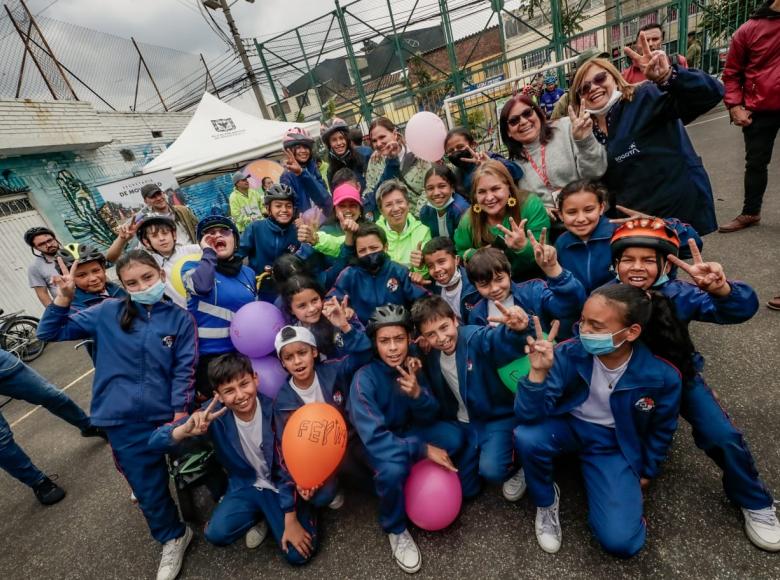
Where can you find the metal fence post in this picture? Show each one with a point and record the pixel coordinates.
(312, 80)
(457, 78)
(557, 26)
(365, 106)
(259, 48)
(399, 53)
(682, 33)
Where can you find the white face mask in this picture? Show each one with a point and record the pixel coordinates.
(456, 277)
(612, 100)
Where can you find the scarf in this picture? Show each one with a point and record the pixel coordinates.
(230, 267)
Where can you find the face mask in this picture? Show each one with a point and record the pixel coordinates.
(446, 203)
(456, 278)
(458, 159)
(598, 344)
(372, 263)
(151, 295)
(612, 100)
(662, 279)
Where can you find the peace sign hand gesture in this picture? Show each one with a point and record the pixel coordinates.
(336, 313)
(545, 255)
(581, 125)
(65, 283)
(709, 276)
(128, 230)
(198, 423)
(514, 318)
(477, 157)
(408, 382)
(653, 63)
(540, 351)
(291, 164)
(515, 237)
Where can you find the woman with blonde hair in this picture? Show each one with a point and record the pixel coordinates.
(653, 167)
(500, 216)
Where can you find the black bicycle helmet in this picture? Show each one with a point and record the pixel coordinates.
(80, 254)
(388, 315)
(30, 234)
(279, 192)
(151, 220)
(214, 221)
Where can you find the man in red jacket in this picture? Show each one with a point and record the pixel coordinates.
(752, 81)
(654, 34)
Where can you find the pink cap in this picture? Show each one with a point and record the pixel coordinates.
(346, 191)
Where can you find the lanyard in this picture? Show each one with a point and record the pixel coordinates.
(542, 173)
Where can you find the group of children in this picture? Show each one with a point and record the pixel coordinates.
(410, 335)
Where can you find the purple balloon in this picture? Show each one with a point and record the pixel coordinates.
(433, 496)
(254, 328)
(271, 373)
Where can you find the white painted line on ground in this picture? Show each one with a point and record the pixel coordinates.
(707, 120)
(65, 388)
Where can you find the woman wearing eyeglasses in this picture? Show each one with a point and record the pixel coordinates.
(551, 154)
(653, 167)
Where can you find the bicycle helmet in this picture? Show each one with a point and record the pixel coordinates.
(279, 192)
(216, 221)
(297, 136)
(30, 234)
(151, 220)
(551, 80)
(80, 254)
(388, 315)
(652, 233)
(335, 125)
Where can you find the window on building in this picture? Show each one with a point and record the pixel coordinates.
(494, 68)
(583, 41)
(403, 100)
(302, 100)
(156, 134)
(535, 59)
(671, 13)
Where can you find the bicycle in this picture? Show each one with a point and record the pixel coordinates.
(18, 335)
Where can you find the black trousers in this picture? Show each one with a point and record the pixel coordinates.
(759, 141)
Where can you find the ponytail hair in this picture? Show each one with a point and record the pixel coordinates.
(130, 311)
(663, 333)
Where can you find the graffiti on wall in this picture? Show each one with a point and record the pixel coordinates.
(89, 220)
(10, 183)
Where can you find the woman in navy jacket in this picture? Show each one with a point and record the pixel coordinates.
(653, 167)
(145, 361)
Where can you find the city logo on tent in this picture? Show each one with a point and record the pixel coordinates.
(223, 125)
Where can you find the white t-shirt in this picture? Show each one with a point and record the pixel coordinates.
(596, 409)
(507, 302)
(449, 368)
(167, 264)
(311, 395)
(442, 222)
(250, 433)
(452, 297)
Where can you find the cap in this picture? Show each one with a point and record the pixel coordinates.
(150, 189)
(290, 334)
(586, 55)
(238, 176)
(344, 192)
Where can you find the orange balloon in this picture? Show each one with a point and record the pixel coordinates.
(313, 443)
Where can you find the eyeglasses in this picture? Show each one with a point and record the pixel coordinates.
(515, 119)
(219, 231)
(45, 243)
(599, 80)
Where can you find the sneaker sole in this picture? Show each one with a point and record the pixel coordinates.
(758, 542)
(773, 307)
(191, 535)
(547, 550)
(409, 570)
(513, 498)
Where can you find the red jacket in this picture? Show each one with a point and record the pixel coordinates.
(752, 72)
(634, 74)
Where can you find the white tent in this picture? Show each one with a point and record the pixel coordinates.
(218, 136)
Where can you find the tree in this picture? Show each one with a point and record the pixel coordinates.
(721, 18)
(428, 93)
(572, 14)
(330, 109)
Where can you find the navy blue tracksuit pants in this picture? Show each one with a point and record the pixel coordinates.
(614, 494)
(241, 509)
(716, 435)
(147, 474)
(489, 452)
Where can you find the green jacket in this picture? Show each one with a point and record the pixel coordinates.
(400, 246)
(244, 209)
(521, 260)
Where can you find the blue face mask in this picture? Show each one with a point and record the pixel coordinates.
(151, 295)
(598, 344)
(662, 279)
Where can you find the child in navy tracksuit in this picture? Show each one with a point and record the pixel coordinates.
(146, 355)
(451, 281)
(217, 287)
(301, 175)
(260, 494)
(314, 381)
(395, 416)
(609, 397)
(375, 279)
(643, 256)
(461, 369)
(445, 206)
(561, 296)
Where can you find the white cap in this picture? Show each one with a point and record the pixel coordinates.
(289, 334)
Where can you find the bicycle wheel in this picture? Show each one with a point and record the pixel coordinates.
(18, 335)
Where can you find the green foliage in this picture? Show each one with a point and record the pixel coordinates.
(721, 18)
(428, 93)
(330, 109)
(572, 14)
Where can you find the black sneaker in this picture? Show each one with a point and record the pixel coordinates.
(94, 432)
(48, 492)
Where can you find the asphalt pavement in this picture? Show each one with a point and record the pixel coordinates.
(693, 529)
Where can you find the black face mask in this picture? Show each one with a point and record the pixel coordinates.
(458, 158)
(372, 263)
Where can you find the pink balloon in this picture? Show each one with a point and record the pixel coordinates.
(425, 133)
(271, 373)
(433, 496)
(254, 328)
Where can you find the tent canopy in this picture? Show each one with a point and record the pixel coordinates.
(219, 135)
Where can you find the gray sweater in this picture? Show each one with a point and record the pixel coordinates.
(567, 160)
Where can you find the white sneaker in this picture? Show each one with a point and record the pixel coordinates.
(405, 551)
(173, 556)
(514, 487)
(548, 527)
(337, 502)
(762, 528)
(256, 535)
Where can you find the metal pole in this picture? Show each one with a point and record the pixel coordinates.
(682, 33)
(24, 60)
(137, 81)
(365, 106)
(398, 51)
(26, 40)
(208, 76)
(245, 60)
(457, 79)
(259, 48)
(312, 80)
(557, 24)
(148, 72)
